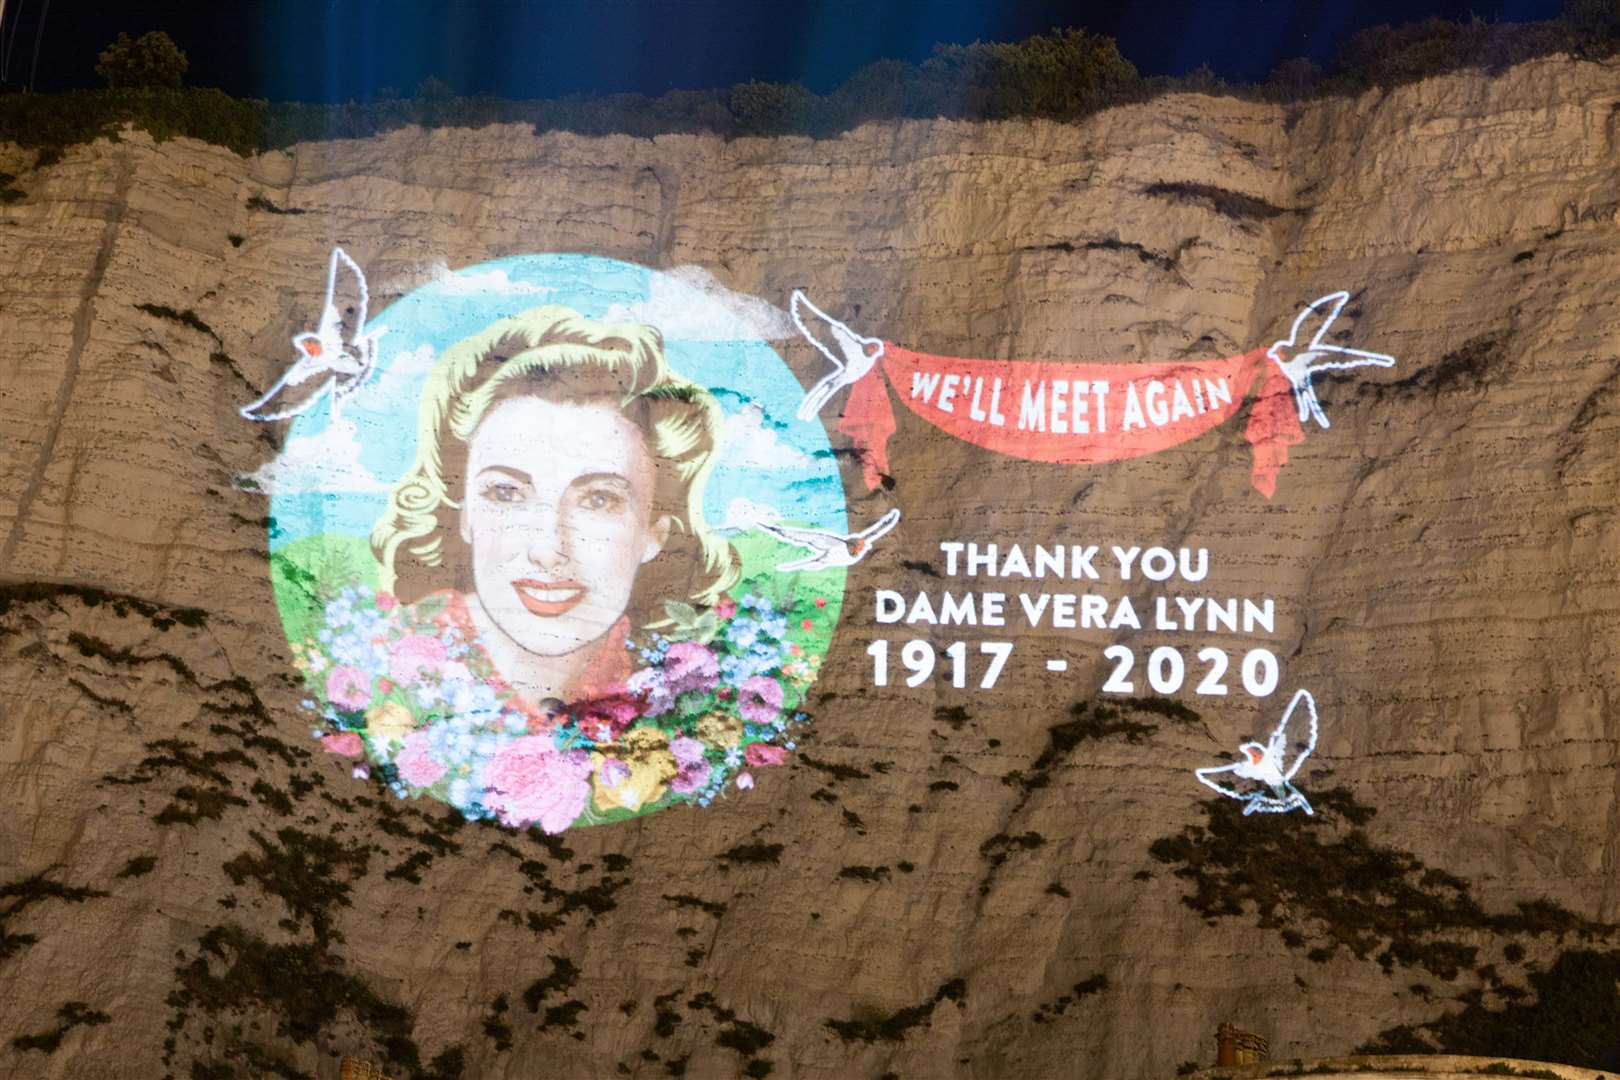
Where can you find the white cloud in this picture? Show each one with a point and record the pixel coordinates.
(742, 514)
(466, 282)
(318, 464)
(688, 303)
(746, 442)
(393, 391)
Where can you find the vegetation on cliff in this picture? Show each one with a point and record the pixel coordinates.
(1063, 75)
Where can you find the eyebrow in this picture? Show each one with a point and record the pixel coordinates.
(595, 477)
(516, 474)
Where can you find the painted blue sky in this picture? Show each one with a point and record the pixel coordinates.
(334, 478)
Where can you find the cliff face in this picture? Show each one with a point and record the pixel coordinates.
(1445, 563)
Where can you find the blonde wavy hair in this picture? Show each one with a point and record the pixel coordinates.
(555, 353)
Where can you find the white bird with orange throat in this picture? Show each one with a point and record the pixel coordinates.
(1266, 765)
(336, 358)
(829, 549)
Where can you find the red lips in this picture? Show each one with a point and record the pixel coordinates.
(548, 599)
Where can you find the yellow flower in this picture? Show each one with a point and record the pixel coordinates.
(390, 721)
(720, 729)
(634, 773)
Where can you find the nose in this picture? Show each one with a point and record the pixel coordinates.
(549, 539)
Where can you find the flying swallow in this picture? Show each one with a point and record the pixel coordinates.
(1265, 764)
(1298, 362)
(852, 355)
(337, 356)
(830, 549)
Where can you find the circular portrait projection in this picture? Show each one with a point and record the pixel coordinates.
(533, 545)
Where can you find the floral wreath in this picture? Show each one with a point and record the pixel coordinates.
(409, 689)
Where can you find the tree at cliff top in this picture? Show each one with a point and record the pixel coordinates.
(153, 59)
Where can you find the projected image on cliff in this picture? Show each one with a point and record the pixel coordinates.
(546, 543)
(1267, 765)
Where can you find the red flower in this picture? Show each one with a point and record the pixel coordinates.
(344, 744)
(805, 625)
(606, 718)
(385, 686)
(758, 754)
(821, 601)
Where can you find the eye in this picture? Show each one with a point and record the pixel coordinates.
(603, 499)
(503, 493)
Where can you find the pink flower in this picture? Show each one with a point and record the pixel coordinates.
(604, 719)
(691, 777)
(344, 744)
(529, 781)
(361, 772)
(759, 700)
(725, 609)
(348, 687)
(806, 624)
(690, 666)
(687, 750)
(758, 754)
(745, 780)
(386, 601)
(416, 767)
(414, 656)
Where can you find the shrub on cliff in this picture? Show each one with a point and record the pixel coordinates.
(153, 59)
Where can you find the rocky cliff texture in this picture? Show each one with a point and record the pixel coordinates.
(943, 884)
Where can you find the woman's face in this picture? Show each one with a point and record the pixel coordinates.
(558, 513)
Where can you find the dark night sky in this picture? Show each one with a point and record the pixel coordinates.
(340, 49)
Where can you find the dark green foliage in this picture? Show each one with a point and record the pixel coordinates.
(708, 907)
(122, 605)
(865, 873)
(1574, 1019)
(273, 797)
(1469, 366)
(999, 846)
(259, 202)
(1057, 889)
(71, 1015)
(304, 986)
(565, 1015)
(743, 1038)
(954, 715)
(151, 60)
(193, 804)
(752, 853)
(1063, 75)
(1096, 984)
(495, 1025)
(563, 976)
(18, 896)
(871, 1025)
(235, 239)
(759, 108)
(187, 318)
(306, 871)
(1094, 722)
(1324, 879)
(138, 866)
(832, 769)
(409, 870)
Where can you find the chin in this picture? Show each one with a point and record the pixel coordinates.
(561, 638)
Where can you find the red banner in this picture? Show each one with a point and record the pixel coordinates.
(1074, 413)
